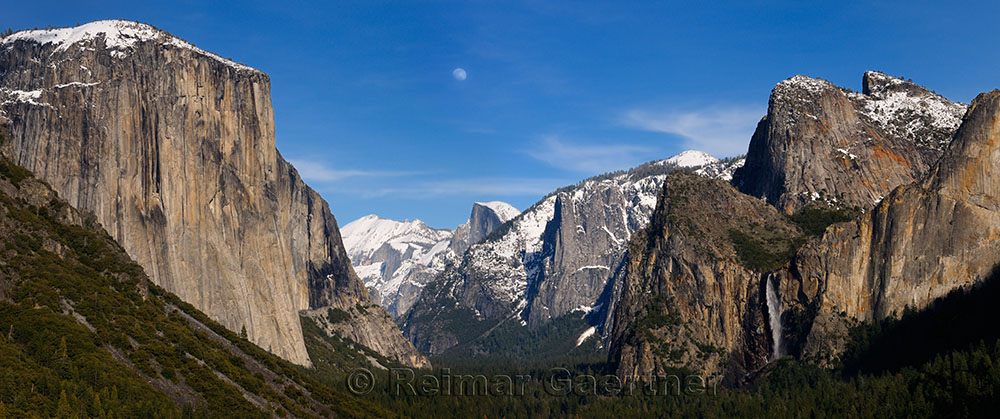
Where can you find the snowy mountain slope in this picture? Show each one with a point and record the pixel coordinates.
(561, 255)
(389, 255)
(722, 169)
(364, 236)
(395, 259)
(908, 110)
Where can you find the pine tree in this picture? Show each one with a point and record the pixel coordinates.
(62, 348)
(3, 411)
(243, 333)
(97, 405)
(63, 409)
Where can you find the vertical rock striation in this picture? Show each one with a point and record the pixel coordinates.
(483, 220)
(924, 240)
(173, 149)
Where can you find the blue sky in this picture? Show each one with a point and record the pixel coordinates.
(368, 107)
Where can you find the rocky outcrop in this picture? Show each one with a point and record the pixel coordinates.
(396, 259)
(370, 320)
(485, 217)
(173, 149)
(919, 243)
(820, 144)
(688, 299)
(564, 254)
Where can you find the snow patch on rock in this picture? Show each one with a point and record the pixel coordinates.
(585, 335)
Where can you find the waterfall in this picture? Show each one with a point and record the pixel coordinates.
(774, 316)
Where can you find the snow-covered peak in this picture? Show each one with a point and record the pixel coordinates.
(395, 259)
(367, 234)
(503, 210)
(120, 36)
(691, 158)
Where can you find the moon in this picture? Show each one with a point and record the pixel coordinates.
(459, 74)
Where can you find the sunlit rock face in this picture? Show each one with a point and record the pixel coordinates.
(922, 241)
(173, 149)
(822, 144)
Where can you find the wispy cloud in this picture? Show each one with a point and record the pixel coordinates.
(485, 186)
(587, 158)
(320, 172)
(719, 130)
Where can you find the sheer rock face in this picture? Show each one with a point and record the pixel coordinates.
(922, 241)
(820, 143)
(686, 299)
(173, 149)
(484, 218)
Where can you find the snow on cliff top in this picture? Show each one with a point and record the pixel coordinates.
(503, 210)
(691, 158)
(119, 35)
(810, 84)
(909, 110)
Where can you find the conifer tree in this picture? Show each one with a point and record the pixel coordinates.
(97, 405)
(63, 409)
(62, 348)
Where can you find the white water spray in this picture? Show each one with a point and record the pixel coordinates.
(774, 315)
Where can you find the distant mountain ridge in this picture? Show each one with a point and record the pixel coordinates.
(395, 259)
(562, 255)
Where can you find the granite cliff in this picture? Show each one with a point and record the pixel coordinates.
(689, 298)
(921, 242)
(173, 149)
(78, 311)
(821, 144)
